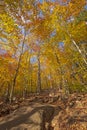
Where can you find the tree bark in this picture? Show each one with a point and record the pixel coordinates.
(75, 44)
(30, 74)
(61, 72)
(39, 74)
(17, 70)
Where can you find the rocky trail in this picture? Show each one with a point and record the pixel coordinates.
(46, 112)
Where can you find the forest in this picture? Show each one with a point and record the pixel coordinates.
(43, 48)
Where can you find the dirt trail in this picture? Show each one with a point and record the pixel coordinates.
(49, 113)
(32, 117)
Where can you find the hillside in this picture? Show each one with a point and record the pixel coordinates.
(46, 112)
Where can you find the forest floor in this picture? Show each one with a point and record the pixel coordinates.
(47, 111)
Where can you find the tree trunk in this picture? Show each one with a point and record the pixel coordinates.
(17, 70)
(7, 93)
(30, 73)
(75, 44)
(61, 72)
(39, 74)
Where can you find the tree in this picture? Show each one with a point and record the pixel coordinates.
(44, 44)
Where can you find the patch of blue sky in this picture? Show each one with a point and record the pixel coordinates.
(22, 29)
(33, 59)
(50, 0)
(2, 51)
(41, 14)
(26, 47)
(53, 33)
(85, 7)
(3, 39)
(41, 1)
(61, 45)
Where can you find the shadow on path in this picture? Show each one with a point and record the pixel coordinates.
(25, 118)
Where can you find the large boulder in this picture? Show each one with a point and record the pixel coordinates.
(29, 118)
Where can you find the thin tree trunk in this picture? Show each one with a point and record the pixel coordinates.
(61, 73)
(79, 51)
(75, 44)
(30, 74)
(39, 74)
(7, 93)
(31, 80)
(46, 82)
(17, 70)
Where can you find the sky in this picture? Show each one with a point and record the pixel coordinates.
(2, 51)
(60, 1)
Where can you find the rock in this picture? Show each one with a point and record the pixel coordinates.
(29, 118)
(27, 127)
(55, 123)
(48, 113)
(66, 113)
(79, 104)
(36, 120)
(14, 107)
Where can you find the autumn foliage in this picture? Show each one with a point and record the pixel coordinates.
(42, 46)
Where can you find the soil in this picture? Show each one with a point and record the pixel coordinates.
(45, 111)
